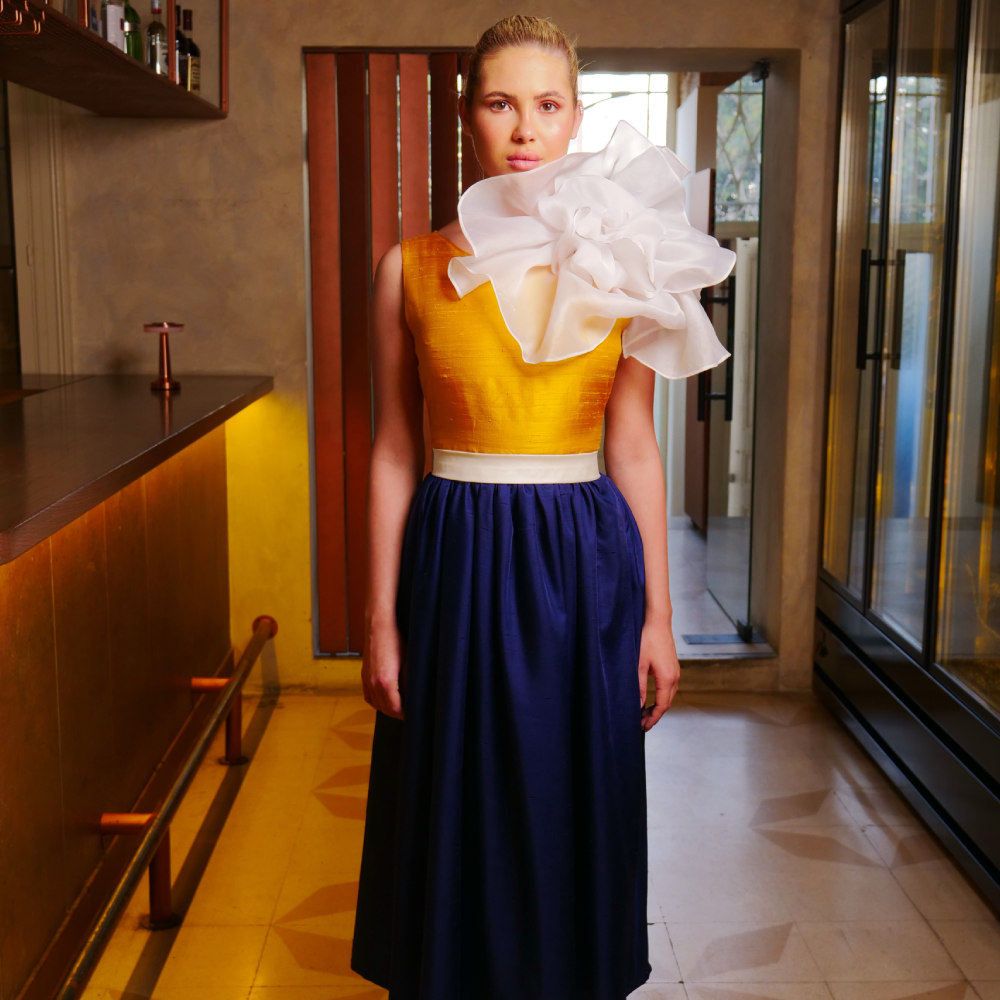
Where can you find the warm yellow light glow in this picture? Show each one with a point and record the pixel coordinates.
(267, 456)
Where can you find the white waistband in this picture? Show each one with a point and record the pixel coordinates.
(483, 467)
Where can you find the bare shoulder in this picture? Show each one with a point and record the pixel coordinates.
(390, 267)
(387, 296)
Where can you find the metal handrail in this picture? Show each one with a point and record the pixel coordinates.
(264, 628)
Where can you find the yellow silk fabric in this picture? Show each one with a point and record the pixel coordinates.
(481, 396)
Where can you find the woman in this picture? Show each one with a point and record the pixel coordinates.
(518, 599)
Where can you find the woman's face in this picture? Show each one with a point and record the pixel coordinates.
(523, 113)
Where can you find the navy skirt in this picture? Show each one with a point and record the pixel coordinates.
(505, 841)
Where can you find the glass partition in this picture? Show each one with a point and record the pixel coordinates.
(914, 262)
(738, 191)
(969, 619)
(856, 296)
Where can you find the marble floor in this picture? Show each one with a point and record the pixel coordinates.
(782, 865)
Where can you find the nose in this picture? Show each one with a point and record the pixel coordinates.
(523, 130)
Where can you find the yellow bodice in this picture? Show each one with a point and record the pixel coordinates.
(481, 395)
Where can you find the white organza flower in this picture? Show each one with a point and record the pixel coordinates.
(591, 238)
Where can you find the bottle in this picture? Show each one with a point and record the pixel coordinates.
(180, 51)
(156, 45)
(113, 22)
(193, 57)
(133, 32)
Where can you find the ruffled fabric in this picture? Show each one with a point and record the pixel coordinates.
(588, 239)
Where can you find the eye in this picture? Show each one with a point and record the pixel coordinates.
(549, 106)
(499, 106)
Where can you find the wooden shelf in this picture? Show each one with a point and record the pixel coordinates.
(70, 62)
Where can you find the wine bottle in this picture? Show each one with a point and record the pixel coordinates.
(133, 32)
(193, 57)
(113, 22)
(180, 50)
(156, 46)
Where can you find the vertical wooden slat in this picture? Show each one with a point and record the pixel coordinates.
(328, 407)
(444, 138)
(471, 171)
(355, 280)
(224, 55)
(413, 144)
(384, 155)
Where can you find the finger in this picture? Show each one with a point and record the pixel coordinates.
(672, 693)
(394, 702)
(643, 683)
(664, 694)
(379, 700)
(651, 716)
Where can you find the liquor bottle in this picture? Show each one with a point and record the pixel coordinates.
(156, 46)
(133, 32)
(180, 50)
(193, 57)
(113, 22)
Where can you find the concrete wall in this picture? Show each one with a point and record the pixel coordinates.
(204, 223)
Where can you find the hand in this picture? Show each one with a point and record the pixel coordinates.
(657, 656)
(381, 671)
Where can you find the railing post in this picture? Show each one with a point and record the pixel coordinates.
(234, 734)
(234, 720)
(161, 915)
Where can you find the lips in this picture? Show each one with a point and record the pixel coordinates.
(523, 161)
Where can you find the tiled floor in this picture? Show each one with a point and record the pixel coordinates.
(782, 865)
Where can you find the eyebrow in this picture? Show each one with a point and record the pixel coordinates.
(510, 97)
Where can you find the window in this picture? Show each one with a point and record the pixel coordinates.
(608, 98)
(737, 173)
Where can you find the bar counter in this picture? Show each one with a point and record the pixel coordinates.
(67, 448)
(114, 593)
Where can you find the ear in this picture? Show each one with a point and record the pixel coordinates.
(577, 119)
(463, 114)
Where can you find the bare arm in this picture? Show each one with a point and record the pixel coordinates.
(396, 468)
(632, 459)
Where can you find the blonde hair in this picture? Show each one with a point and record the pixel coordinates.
(513, 31)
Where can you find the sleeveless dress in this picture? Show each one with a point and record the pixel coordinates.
(505, 842)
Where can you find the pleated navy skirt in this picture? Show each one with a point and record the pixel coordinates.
(505, 841)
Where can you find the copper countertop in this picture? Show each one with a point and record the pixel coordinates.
(65, 449)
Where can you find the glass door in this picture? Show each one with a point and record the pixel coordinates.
(898, 91)
(968, 641)
(729, 391)
(857, 298)
(907, 362)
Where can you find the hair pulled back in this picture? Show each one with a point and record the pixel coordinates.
(514, 31)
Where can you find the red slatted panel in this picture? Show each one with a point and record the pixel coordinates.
(324, 238)
(413, 145)
(444, 138)
(383, 154)
(355, 266)
(471, 171)
(362, 197)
